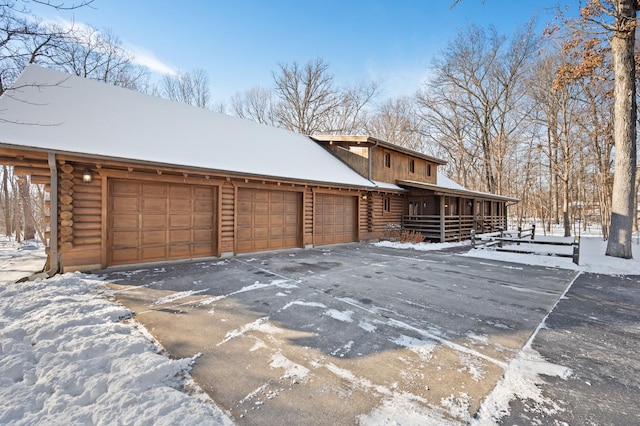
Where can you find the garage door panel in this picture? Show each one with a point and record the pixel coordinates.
(153, 253)
(125, 239)
(202, 236)
(203, 206)
(123, 255)
(151, 221)
(203, 192)
(200, 250)
(180, 221)
(260, 208)
(271, 219)
(125, 221)
(154, 189)
(335, 219)
(179, 205)
(261, 233)
(126, 204)
(179, 250)
(202, 221)
(154, 205)
(124, 188)
(154, 237)
(180, 191)
(179, 236)
(154, 221)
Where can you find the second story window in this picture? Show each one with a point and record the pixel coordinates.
(428, 170)
(387, 160)
(412, 166)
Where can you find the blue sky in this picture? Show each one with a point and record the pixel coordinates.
(240, 43)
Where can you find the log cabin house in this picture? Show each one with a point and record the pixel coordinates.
(134, 178)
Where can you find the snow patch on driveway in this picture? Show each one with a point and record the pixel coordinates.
(344, 316)
(261, 324)
(421, 347)
(291, 369)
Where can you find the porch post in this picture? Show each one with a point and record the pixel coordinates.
(442, 221)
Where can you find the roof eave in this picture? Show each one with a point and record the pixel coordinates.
(439, 190)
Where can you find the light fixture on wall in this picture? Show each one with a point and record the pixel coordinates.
(86, 176)
(364, 196)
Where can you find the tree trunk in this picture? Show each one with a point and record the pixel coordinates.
(7, 202)
(622, 208)
(27, 211)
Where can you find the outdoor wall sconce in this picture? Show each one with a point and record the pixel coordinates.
(86, 176)
(364, 197)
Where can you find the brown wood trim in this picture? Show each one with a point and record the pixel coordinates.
(349, 192)
(105, 225)
(315, 218)
(218, 225)
(235, 218)
(22, 154)
(139, 176)
(268, 186)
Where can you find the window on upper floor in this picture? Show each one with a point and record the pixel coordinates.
(412, 166)
(428, 170)
(387, 160)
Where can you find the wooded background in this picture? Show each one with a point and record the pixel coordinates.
(525, 114)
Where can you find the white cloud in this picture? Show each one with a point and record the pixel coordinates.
(149, 60)
(140, 56)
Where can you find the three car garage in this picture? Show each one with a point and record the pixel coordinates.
(154, 221)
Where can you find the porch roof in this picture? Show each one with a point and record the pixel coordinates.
(452, 188)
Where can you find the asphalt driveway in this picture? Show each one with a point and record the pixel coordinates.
(343, 334)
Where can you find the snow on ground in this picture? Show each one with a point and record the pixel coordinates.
(69, 355)
(19, 260)
(592, 258)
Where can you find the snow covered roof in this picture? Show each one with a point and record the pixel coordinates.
(57, 112)
(448, 186)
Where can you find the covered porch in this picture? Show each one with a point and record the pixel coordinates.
(443, 214)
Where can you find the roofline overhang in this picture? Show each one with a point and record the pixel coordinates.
(369, 141)
(450, 191)
(149, 166)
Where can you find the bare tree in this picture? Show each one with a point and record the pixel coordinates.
(24, 39)
(87, 52)
(479, 79)
(396, 121)
(306, 96)
(254, 104)
(191, 88)
(349, 115)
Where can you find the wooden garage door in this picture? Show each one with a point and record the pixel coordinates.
(335, 219)
(267, 219)
(150, 221)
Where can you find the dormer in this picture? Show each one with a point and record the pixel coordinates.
(381, 161)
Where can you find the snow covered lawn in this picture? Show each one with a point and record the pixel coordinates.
(592, 258)
(69, 355)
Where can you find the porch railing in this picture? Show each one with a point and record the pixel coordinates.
(455, 228)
